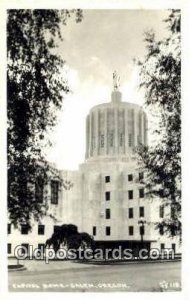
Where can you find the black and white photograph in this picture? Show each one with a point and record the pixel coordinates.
(94, 150)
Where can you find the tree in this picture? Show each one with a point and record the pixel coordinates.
(35, 90)
(160, 75)
(68, 235)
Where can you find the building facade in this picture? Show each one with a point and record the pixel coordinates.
(105, 197)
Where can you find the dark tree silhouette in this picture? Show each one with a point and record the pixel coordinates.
(161, 80)
(68, 235)
(35, 90)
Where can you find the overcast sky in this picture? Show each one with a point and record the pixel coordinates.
(105, 40)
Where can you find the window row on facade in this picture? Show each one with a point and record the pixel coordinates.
(108, 230)
(130, 177)
(121, 140)
(130, 194)
(25, 229)
(41, 247)
(39, 191)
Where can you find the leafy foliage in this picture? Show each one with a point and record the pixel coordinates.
(161, 79)
(68, 235)
(35, 89)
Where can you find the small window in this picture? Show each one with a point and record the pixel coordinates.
(162, 246)
(131, 230)
(161, 211)
(141, 176)
(54, 191)
(94, 230)
(41, 229)
(130, 194)
(41, 247)
(108, 230)
(24, 229)
(9, 248)
(130, 177)
(9, 228)
(130, 213)
(39, 188)
(141, 193)
(25, 248)
(141, 211)
(161, 230)
(107, 213)
(107, 196)
(107, 179)
(173, 246)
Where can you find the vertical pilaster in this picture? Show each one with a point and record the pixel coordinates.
(126, 131)
(106, 132)
(116, 131)
(90, 136)
(97, 132)
(87, 137)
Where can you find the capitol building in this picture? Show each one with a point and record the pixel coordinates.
(106, 196)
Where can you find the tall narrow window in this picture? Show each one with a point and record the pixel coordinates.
(94, 230)
(131, 230)
(173, 246)
(141, 193)
(108, 230)
(9, 248)
(130, 213)
(9, 228)
(161, 229)
(54, 191)
(141, 211)
(130, 194)
(161, 211)
(39, 188)
(107, 213)
(107, 196)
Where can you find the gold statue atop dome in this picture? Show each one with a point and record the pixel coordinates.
(116, 81)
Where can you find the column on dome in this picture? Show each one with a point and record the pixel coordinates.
(110, 131)
(145, 130)
(96, 132)
(116, 145)
(142, 127)
(121, 130)
(90, 136)
(101, 132)
(106, 132)
(126, 131)
(87, 137)
(134, 128)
